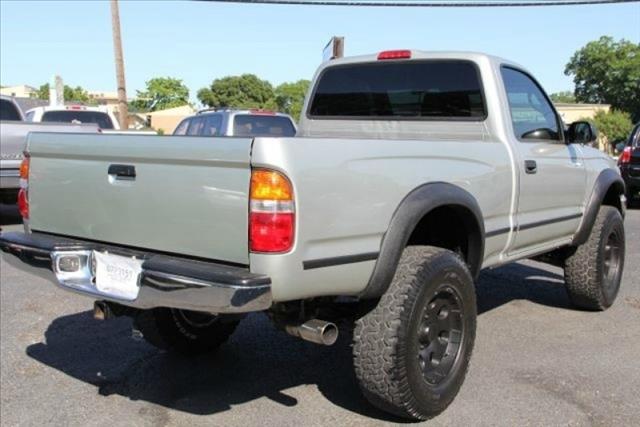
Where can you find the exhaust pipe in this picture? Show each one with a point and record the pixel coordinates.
(102, 311)
(316, 331)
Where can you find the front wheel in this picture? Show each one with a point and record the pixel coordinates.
(593, 271)
(184, 331)
(412, 351)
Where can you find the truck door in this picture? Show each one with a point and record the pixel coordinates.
(551, 173)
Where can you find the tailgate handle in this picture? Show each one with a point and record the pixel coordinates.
(122, 171)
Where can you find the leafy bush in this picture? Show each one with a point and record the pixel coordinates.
(614, 125)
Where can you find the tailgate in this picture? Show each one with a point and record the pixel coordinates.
(189, 195)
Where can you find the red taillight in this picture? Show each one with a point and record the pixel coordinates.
(271, 232)
(625, 157)
(23, 203)
(394, 54)
(272, 212)
(23, 199)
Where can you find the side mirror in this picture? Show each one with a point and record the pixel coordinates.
(581, 133)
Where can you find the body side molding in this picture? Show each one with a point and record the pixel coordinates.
(408, 214)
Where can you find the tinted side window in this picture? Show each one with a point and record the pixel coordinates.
(8, 111)
(635, 137)
(404, 89)
(212, 125)
(70, 116)
(532, 115)
(195, 126)
(262, 125)
(182, 127)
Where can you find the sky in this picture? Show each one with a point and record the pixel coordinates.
(200, 41)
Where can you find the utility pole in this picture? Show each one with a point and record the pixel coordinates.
(123, 110)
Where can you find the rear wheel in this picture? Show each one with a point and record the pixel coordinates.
(411, 352)
(594, 271)
(184, 331)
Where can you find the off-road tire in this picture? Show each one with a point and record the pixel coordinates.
(591, 275)
(387, 340)
(170, 329)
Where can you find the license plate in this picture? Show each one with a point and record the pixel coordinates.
(117, 275)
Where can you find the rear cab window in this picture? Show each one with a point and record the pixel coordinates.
(78, 116)
(8, 111)
(409, 90)
(262, 125)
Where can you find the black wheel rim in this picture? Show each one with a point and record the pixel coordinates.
(611, 260)
(195, 319)
(440, 335)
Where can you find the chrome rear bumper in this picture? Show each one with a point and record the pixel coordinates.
(165, 281)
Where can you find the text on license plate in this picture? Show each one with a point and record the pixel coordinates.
(117, 275)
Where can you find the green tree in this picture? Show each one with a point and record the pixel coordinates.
(161, 93)
(245, 91)
(289, 97)
(77, 93)
(565, 96)
(614, 125)
(608, 71)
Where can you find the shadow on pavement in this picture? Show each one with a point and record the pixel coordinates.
(257, 362)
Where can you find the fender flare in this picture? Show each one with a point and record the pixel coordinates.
(606, 179)
(418, 203)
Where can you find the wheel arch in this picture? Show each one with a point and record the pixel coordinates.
(426, 205)
(607, 190)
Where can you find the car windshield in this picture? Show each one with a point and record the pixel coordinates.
(78, 116)
(8, 111)
(262, 125)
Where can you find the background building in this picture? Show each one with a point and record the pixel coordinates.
(19, 91)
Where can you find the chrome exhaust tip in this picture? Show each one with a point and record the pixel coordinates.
(315, 331)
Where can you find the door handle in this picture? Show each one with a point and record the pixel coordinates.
(126, 172)
(530, 166)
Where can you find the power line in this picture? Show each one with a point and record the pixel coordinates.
(442, 4)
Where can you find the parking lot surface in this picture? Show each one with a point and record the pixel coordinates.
(537, 361)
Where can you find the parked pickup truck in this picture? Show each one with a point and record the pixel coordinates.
(13, 138)
(410, 173)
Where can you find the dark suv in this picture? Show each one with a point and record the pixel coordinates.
(629, 163)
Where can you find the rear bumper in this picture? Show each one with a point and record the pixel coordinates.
(165, 281)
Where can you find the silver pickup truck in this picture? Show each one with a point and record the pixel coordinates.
(13, 140)
(410, 173)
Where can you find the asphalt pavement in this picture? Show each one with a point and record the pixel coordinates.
(537, 361)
